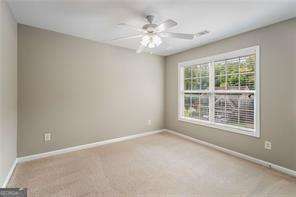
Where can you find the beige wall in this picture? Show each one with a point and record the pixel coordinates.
(8, 90)
(83, 91)
(278, 87)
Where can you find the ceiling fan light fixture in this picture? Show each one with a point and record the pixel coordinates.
(151, 41)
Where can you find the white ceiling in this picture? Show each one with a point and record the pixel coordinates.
(97, 19)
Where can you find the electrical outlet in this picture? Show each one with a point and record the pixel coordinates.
(267, 145)
(47, 137)
(149, 122)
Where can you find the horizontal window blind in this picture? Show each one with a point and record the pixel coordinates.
(235, 109)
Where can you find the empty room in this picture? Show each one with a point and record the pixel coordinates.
(147, 98)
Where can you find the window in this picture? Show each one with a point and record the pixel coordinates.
(222, 91)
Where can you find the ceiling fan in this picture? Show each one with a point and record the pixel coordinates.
(152, 33)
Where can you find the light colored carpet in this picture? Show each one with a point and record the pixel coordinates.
(157, 165)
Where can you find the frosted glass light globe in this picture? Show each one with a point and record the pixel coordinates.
(151, 41)
(145, 40)
(156, 40)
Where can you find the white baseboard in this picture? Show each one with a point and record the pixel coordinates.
(237, 154)
(85, 146)
(9, 174)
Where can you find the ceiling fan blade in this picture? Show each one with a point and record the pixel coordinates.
(166, 25)
(202, 33)
(127, 37)
(130, 27)
(141, 48)
(177, 35)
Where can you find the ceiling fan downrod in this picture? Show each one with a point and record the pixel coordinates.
(150, 18)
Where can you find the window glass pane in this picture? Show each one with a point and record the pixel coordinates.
(219, 68)
(204, 69)
(205, 83)
(247, 72)
(220, 108)
(233, 82)
(231, 113)
(247, 82)
(235, 109)
(247, 64)
(195, 105)
(195, 71)
(186, 105)
(196, 84)
(187, 72)
(220, 82)
(195, 100)
(204, 113)
(187, 99)
(232, 66)
(246, 111)
(204, 107)
(187, 84)
(200, 106)
(204, 101)
(232, 74)
(200, 77)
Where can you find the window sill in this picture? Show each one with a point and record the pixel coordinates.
(230, 128)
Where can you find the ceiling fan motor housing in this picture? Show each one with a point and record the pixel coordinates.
(150, 28)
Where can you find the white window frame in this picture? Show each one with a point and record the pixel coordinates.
(238, 53)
